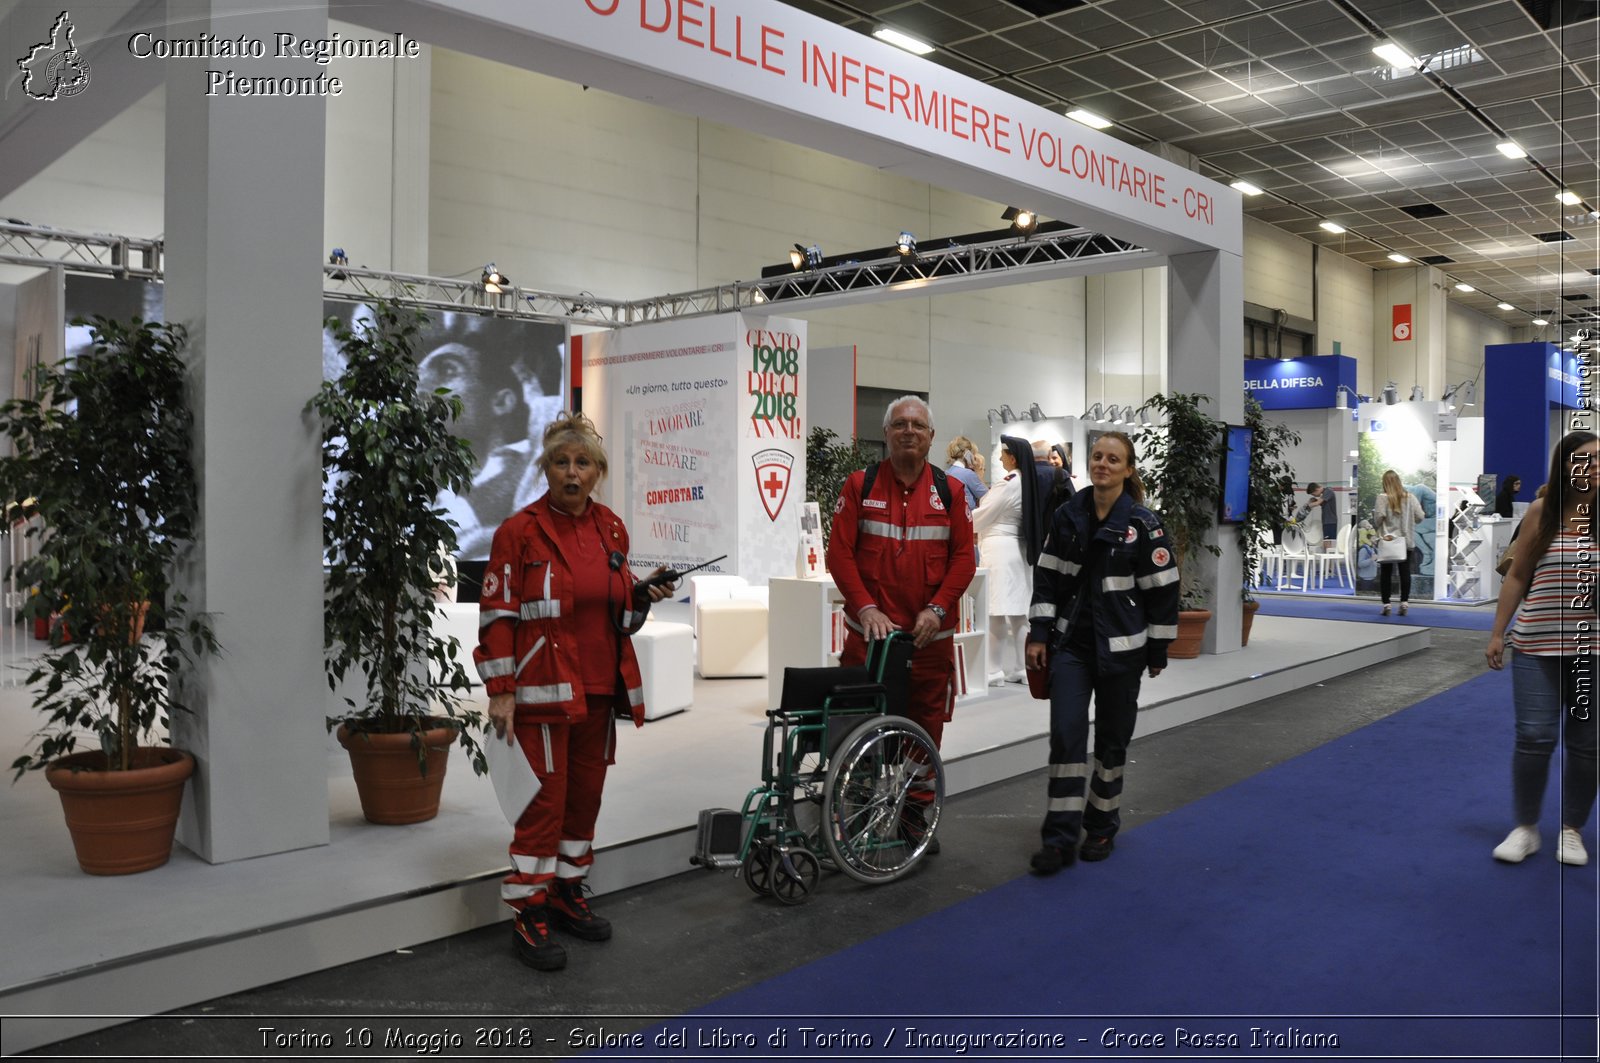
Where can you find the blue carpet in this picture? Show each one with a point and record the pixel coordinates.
(1348, 892)
(1366, 611)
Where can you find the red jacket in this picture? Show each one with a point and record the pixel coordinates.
(526, 645)
(901, 551)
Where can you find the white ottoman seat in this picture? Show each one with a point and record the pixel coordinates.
(731, 638)
(666, 665)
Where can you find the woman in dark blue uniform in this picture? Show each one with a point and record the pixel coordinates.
(1105, 606)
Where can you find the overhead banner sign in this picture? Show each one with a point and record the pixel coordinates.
(1298, 383)
(772, 68)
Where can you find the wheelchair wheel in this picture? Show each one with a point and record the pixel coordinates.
(758, 868)
(870, 831)
(794, 875)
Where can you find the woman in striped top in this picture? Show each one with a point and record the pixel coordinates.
(1553, 656)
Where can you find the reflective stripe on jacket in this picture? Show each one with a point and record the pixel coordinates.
(526, 645)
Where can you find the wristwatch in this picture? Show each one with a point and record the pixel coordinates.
(936, 611)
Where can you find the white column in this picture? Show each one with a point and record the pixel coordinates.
(1206, 341)
(244, 193)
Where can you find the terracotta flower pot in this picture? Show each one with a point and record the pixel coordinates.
(393, 788)
(1191, 629)
(1250, 610)
(122, 821)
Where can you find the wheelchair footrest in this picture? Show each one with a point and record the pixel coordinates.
(717, 838)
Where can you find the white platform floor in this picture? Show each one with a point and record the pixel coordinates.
(80, 948)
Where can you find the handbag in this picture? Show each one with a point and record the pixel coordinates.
(1506, 560)
(1391, 548)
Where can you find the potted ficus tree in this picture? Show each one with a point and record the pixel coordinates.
(388, 451)
(102, 463)
(1179, 462)
(1271, 485)
(829, 463)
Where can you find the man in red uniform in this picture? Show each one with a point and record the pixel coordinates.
(902, 557)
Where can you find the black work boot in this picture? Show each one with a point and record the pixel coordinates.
(570, 911)
(531, 936)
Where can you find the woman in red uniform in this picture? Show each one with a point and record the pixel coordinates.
(557, 594)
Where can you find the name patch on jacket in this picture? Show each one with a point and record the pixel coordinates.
(874, 503)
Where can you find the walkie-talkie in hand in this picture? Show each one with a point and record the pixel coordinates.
(641, 590)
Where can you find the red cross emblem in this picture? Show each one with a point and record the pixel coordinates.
(773, 473)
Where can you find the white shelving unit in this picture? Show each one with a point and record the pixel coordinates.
(805, 630)
(1471, 572)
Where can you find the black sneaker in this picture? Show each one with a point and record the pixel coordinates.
(570, 911)
(531, 936)
(1095, 847)
(1051, 858)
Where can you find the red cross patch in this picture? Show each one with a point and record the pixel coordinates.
(1160, 557)
(491, 583)
(1133, 534)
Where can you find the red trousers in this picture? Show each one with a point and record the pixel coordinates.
(554, 836)
(931, 698)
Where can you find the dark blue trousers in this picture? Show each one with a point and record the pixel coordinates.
(1083, 796)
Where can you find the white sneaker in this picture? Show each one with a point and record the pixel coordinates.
(1520, 844)
(1571, 850)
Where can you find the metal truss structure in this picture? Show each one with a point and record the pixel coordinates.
(953, 268)
(100, 253)
(996, 261)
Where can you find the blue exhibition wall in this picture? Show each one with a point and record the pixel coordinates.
(1521, 382)
(1299, 383)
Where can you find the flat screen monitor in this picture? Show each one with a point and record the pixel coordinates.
(1236, 475)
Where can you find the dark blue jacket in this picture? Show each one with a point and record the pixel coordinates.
(1135, 612)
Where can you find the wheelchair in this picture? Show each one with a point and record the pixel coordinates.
(838, 772)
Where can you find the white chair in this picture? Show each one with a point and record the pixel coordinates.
(1271, 555)
(1297, 561)
(1338, 561)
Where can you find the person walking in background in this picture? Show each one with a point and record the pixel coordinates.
(1105, 607)
(998, 525)
(1052, 486)
(966, 466)
(1550, 587)
(1505, 498)
(558, 671)
(1396, 514)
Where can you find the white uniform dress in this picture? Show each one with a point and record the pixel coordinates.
(998, 524)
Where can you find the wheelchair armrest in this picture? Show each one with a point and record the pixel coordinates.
(855, 698)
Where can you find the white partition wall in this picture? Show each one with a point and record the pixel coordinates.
(705, 424)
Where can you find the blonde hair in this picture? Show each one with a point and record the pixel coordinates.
(573, 430)
(1395, 490)
(965, 451)
(1134, 486)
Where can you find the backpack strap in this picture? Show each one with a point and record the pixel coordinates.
(941, 482)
